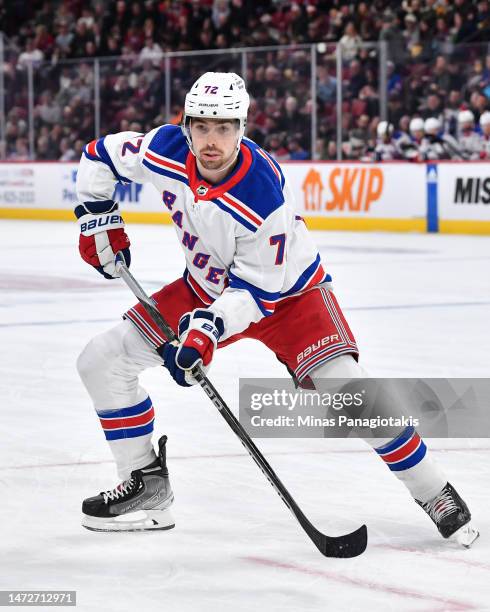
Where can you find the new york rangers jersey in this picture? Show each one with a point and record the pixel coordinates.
(245, 246)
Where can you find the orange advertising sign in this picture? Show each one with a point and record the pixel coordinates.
(349, 189)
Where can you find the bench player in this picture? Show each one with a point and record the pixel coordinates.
(252, 271)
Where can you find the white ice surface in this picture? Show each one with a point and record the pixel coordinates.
(419, 305)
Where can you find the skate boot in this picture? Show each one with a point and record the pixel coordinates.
(138, 504)
(451, 516)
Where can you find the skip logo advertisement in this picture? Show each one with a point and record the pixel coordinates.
(343, 189)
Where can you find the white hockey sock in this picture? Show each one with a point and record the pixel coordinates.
(109, 367)
(409, 460)
(128, 432)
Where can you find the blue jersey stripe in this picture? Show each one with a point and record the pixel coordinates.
(304, 278)
(237, 283)
(257, 293)
(168, 173)
(106, 159)
(91, 157)
(234, 214)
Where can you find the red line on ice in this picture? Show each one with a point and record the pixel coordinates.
(447, 604)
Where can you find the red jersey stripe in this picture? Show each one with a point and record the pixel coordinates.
(91, 150)
(242, 210)
(165, 164)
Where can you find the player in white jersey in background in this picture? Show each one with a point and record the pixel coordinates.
(252, 271)
(436, 144)
(485, 136)
(469, 140)
(385, 149)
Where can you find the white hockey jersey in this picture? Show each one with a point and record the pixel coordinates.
(245, 247)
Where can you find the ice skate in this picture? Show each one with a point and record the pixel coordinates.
(451, 516)
(140, 503)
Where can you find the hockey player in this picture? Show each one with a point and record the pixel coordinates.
(385, 149)
(485, 138)
(252, 271)
(468, 138)
(410, 148)
(437, 145)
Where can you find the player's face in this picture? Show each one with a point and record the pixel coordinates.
(214, 141)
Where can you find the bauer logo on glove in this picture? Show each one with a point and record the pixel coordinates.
(199, 333)
(102, 235)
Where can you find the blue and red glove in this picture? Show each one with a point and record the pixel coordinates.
(199, 333)
(102, 235)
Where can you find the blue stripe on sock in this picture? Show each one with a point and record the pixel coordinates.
(397, 442)
(134, 432)
(126, 412)
(410, 461)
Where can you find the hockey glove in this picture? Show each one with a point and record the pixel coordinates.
(199, 333)
(102, 235)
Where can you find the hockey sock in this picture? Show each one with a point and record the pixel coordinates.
(128, 432)
(408, 458)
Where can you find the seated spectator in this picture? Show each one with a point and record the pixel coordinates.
(411, 35)
(64, 39)
(275, 147)
(394, 79)
(31, 55)
(357, 79)
(151, 51)
(21, 151)
(296, 151)
(326, 86)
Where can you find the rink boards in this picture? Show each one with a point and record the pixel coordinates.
(436, 197)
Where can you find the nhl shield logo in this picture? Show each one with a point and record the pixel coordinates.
(202, 190)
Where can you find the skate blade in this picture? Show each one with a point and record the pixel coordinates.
(466, 535)
(142, 520)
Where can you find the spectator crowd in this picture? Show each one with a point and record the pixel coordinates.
(437, 69)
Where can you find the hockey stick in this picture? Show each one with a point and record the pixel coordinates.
(345, 546)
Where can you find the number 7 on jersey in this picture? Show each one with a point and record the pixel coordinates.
(278, 240)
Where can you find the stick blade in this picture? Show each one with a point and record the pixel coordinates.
(341, 547)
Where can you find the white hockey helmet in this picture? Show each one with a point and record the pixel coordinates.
(485, 118)
(416, 125)
(466, 116)
(384, 129)
(432, 125)
(217, 95)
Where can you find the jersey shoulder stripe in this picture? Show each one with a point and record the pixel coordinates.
(169, 143)
(239, 211)
(97, 151)
(261, 189)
